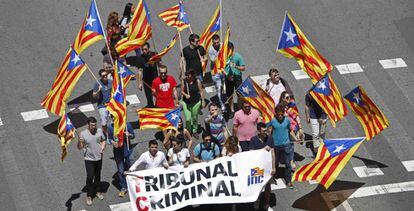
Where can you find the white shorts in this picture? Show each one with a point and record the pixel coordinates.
(104, 115)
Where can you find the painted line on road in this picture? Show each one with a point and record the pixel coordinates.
(260, 79)
(392, 63)
(132, 99)
(210, 89)
(85, 108)
(1, 122)
(34, 115)
(299, 74)
(349, 68)
(364, 171)
(280, 184)
(383, 189)
(312, 182)
(126, 206)
(409, 165)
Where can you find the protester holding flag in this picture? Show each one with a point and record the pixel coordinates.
(275, 85)
(178, 154)
(123, 154)
(92, 141)
(194, 56)
(218, 78)
(102, 92)
(147, 72)
(234, 69)
(244, 125)
(317, 118)
(193, 100)
(164, 89)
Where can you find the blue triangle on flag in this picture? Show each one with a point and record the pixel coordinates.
(174, 116)
(323, 86)
(355, 96)
(74, 61)
(288, 37)
(338, 146)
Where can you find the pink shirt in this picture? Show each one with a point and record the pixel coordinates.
(246, 124)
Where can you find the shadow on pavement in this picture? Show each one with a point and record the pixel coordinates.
(78, 119)
(370, 163)
(321, 199)
(82, 100)
(73, 197)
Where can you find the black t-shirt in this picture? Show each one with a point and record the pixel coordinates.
(255, 143)
(192, 58)
(315, 111)
(149, 71)
(193, 91)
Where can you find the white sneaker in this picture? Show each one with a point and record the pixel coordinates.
(269, 208)
(100, 195)
(88, 201)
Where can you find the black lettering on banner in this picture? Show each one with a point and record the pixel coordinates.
(206, 174)
(167, 200)
(230, 168)
(221, 188)
(193, 192)
(157, 204)
(202, 188)
(183, 180)
(150, 182)
(172, 179)
(175, 197)
(233, 191)
(219, 169)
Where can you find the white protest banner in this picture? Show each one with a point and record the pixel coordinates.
(236, 179)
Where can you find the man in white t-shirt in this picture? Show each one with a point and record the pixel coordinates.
(275, 85)
(177, 154)
(150, 159)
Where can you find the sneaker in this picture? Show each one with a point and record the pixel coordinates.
(122, 193)
(269, 208)
(290, 185)
(88, 201)
(100, 195)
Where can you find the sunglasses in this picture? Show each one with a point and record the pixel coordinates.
(163, 73)
(287, 97)
(246, 106)
(144, 49)
(104, 76)
(207, 139)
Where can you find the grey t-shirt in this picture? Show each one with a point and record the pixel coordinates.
(92, 150)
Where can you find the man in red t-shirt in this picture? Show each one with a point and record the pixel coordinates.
(164, 89)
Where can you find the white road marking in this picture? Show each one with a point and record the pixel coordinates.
(312, 182)
(34, 115)
(132, 99)
(299, 74)
(210, 89)
(383, 189)
(85, 108)
(260, 79)
(1, 122)
(409, 165)
(392, 63)
(349, 68)
(280, 185)
(364, 171)
(126, 206)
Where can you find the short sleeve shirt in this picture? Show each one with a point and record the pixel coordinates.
(315, 111)
(208, 153)
(216, 128)
(238, 60)
(180, 157)
(164, 92)
(257, 143)
(92, 149)
(105, 94)
(149, 71)
(246, 124)
(281, 131)
(192, 58)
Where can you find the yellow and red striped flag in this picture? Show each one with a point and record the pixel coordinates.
(328, 97)
(332, 157)
(175, 16)
(294, 44)
(139, 30)
(251, 92)
(159, 55)
(212, 28)
(371, 118)
(117, 104)
(66, 132)
(223, 55)
(68, 75)
(91, 30)
(158, 118)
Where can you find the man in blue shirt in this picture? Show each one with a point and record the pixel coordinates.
(235, 66)
(281, 136)
(207, 150)
(102, 92)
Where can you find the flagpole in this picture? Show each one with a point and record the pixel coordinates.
(182, 56)
(96, 79)
(105, 37)
(221, 19)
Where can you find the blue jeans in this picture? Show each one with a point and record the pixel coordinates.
(218, 83)
(123, 164)
(286, 151)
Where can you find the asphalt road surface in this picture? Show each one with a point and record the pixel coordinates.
(358, 35)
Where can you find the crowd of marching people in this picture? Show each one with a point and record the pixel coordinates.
(232, 125)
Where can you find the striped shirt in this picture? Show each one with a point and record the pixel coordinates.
(216, 128)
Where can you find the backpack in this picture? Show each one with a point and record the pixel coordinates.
(202, 148)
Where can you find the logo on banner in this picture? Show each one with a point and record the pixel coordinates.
(256, 176)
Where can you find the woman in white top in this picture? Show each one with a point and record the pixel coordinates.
(231, 146)
(177, 154)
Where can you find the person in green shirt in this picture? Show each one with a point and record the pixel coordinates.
(234, 68)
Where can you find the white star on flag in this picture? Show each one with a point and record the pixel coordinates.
(174, 116)
(246, 89)
(290, 35)
(339, 148)
(356, 97)
(182, 14)
(322, 85)
(121, 71)
(68, 123)
(118, 91)
(75, 59)
(90, 21)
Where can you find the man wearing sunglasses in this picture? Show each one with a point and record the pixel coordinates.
(102, 93)
(275, 85)
(146, 72)
(194, 56)
(244, 125)
(164, 89)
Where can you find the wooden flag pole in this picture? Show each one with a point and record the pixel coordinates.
(182, 56)
(96, 79)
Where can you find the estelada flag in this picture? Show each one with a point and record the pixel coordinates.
(371, 118)
(66, 132)
(175, 16)
(157, 57)
(333, 155)
(223, 55)
(91, 30)
(158, 118)
(212, 28)
(294, 44)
